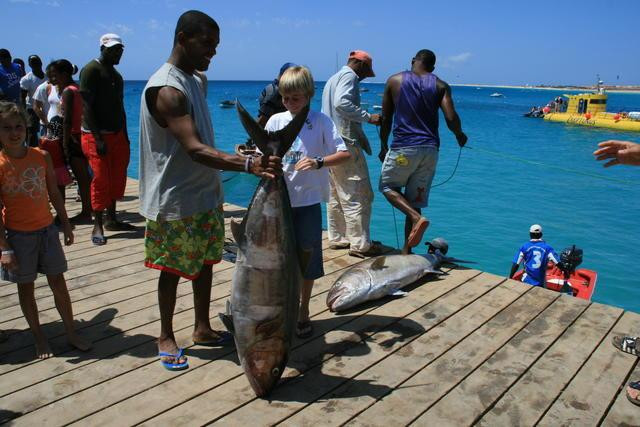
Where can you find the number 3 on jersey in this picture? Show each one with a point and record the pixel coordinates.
(537, 259)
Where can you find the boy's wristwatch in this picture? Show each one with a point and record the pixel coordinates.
(319, 160)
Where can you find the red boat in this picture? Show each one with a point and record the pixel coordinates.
(582, 281)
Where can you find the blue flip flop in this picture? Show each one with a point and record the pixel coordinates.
(174, 366)
(99, 240)
(225, 337)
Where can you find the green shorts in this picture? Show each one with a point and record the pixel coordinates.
(184, 246)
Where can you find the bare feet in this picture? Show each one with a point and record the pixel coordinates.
(42, 348)
(78, 342)
(417, 231)
(168, 345)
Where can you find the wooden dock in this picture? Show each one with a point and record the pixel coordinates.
(466, 348)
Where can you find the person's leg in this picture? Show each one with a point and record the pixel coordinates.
(356, 197)
(111, 222)
(80, 169)
(99, 188)
(30, 311)
(413, 216)
(63, 304)
(118, 159)
(335, 217)
(202, 332)
(407, 167)
(305, 297)
(167, 287)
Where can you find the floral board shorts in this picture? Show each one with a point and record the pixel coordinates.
(182, 247)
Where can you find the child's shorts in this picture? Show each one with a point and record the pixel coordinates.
(37, 251)
(307, 223)
(183, 246)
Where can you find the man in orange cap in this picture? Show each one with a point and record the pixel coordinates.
(349, 208)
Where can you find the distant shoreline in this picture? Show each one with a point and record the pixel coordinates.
(612, 89)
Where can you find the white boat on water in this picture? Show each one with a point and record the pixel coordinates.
(377, 107)
(497, 95)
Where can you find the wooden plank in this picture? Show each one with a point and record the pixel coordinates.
(378, 380)
(237, 393)
(486, 384)
(409, 400)
(602, 375)
(346, 366)
(539, 387)
(54, 387)
(189, 387)
(623, 412)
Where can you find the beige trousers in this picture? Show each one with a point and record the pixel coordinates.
(349, 208)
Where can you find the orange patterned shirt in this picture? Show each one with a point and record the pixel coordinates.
(23, 191)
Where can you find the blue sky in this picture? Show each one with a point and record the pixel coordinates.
(484, 42)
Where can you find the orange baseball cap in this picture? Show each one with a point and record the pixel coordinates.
(363, 56)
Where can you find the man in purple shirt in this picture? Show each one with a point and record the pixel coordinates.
(411, 102)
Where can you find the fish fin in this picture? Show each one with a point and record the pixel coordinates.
(304, 258)
(398, 293)
(378, 263)
(433, 271)
(238, 232)
(227, 321)
(289, 133)
(259, 136)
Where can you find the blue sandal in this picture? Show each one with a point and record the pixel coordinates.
(175, 366)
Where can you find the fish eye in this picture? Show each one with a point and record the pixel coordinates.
(275, 372)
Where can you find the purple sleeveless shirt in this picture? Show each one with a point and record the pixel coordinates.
(415, 121)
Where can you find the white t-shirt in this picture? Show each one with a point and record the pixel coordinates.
(319, 137)
(54, 103)
(30, 83)
(40, 94)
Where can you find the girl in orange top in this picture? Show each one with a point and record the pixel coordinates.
(28, 238)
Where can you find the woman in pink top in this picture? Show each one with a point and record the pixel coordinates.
(71, 111)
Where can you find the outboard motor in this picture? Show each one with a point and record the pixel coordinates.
(570, 259)
(438, 244)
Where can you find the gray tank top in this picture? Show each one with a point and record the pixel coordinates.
(172, 185)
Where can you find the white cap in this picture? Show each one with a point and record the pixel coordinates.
(110, 39)
(535, 228)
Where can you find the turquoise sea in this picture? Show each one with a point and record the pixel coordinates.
(516, 171)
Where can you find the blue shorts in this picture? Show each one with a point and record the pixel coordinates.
(412, 168)
(307, 223)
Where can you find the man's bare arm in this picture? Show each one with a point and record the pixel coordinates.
(450, 115)
(388, 109)
(170, 109)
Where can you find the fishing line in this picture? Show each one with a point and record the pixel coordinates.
(531, 162)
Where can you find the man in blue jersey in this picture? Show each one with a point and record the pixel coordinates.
(10, 75)
(535, 254)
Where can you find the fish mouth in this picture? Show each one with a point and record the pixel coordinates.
(333, 296)
(264, 365)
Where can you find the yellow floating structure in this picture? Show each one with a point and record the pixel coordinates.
(590, 109)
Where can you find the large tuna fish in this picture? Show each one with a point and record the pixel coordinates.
(267, 278)
(384, 275)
